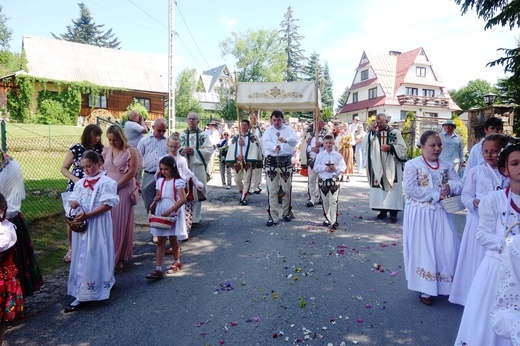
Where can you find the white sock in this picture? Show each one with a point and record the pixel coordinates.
(158, 268)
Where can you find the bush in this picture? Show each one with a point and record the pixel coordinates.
(51, 112)
(137, 106)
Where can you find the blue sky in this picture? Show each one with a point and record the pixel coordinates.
(339, 30)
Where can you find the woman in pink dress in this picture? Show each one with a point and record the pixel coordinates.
(121, 164)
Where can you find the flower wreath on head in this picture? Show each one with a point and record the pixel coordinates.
(4, 160)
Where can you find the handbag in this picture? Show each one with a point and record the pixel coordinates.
(162, 222)
(133, 196)
(76, 226)
(452, 204)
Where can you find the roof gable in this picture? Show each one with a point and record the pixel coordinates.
(75, 62)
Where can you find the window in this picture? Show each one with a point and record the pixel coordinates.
(144, 102)
(372, 93)
(431, 115)
(429, 92)
(372, 113)
(421, 71)
(364, 75)
(354, 116)
(354, 97)
(412, 91)
(97, 101)
(403, 115)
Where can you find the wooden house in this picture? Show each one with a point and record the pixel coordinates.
(396, 83)
(126, 75)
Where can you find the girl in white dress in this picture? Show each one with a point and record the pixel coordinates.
(505, 312)
(169, 201)
(91, 274)
(478, 182)
(498, 212)
(430, 239)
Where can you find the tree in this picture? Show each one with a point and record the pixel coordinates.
(226, 106)
(86, 31)
(5, 32)
(259, 55)
(186, 87)
(327, 95)
(503, 13)
(343, 99)
(313, 64)
(291, 43)
(471, 95)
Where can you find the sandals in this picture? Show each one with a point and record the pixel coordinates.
(175, 267)
(155, 275)
(68, 256)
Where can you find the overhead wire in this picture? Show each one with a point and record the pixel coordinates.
(189, 31)
(125, 19)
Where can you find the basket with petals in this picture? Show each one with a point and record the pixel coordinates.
(452, 204)
(162, 222)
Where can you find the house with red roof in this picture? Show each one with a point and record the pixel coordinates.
(396, 83)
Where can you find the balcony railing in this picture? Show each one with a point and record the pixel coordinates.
(424, 101)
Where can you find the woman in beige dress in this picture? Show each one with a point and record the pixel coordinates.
(345, 143)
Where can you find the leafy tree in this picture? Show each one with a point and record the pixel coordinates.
(291, 42)
(343, 99)
(186, 87)
(85, 30)
(461, 130)
(5, 32)
(503, 13)
(471, 95)
(259, 54)
(327, 96)
(226, 106)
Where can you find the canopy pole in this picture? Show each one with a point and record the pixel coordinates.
(317, 105)
(236, 100)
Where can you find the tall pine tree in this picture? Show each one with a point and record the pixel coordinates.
(292, 46)
(327, 95)
(86, 31)
(343, 99)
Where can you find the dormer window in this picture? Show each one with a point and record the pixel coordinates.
(372, 93)
(364, 75)
(421, 71)
(354, 97)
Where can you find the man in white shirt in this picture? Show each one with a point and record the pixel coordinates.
(279, 142)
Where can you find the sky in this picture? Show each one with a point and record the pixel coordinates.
(338, 30)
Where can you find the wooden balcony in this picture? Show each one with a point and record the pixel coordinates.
(423, 101)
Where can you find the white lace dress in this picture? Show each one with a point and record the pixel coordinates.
(496, 215)
(430, 239)
(478, 183)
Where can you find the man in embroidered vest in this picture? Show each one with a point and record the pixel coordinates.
(243, 156)
(279, 142)
(256, 178)
(197, 148)
(312, 148)
(386, 153)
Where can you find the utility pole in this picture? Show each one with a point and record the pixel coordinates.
(171, 74)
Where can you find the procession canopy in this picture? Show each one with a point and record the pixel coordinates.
(285, 96)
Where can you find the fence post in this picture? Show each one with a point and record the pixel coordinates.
(49, 137)
(3, 134)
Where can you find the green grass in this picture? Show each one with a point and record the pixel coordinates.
(39, 130)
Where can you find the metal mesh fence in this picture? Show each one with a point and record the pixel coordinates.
(40, 151)
(41, 156)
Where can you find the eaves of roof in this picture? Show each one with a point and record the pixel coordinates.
(349, 107)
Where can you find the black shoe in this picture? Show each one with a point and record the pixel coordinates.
(335, 225)
(287, 218)
(73, 308)
(269, 223)
(320, 202)
(243, 201)
(393, 219)
(258, 191)
(326, 223)
(309, 204)
(381, 215)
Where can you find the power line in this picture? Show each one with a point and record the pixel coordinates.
(149, 15)
(196, 45)
(125, 19)
(184, 44)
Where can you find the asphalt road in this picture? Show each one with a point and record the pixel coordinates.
(246, 284)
